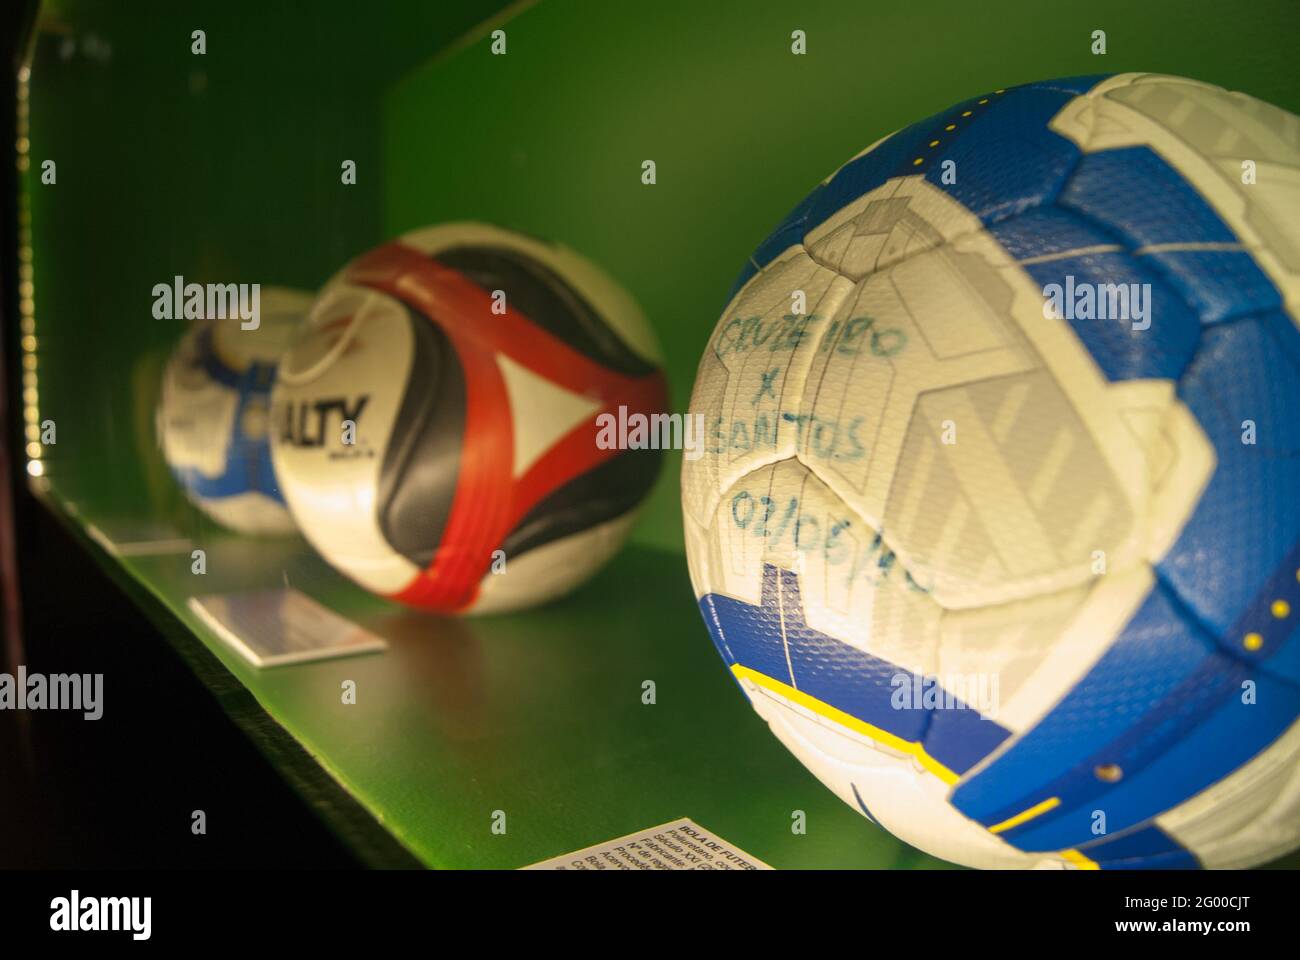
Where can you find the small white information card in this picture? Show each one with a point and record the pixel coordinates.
(274, 627)
(134, 537)
(680, 845)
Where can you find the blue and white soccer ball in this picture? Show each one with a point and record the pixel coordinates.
(999, 523)
(214, 415)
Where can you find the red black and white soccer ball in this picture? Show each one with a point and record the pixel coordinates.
(472, 479)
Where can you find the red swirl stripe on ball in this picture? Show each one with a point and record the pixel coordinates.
(484, 510)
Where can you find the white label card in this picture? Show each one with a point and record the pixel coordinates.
(273, 627)
(129, 537)
(680, 845)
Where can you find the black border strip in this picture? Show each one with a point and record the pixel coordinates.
(360, 832)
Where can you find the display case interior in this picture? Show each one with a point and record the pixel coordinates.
(163, 145)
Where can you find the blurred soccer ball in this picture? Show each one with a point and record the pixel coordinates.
(214, 414)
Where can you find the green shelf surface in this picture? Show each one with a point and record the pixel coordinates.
(539, 715)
